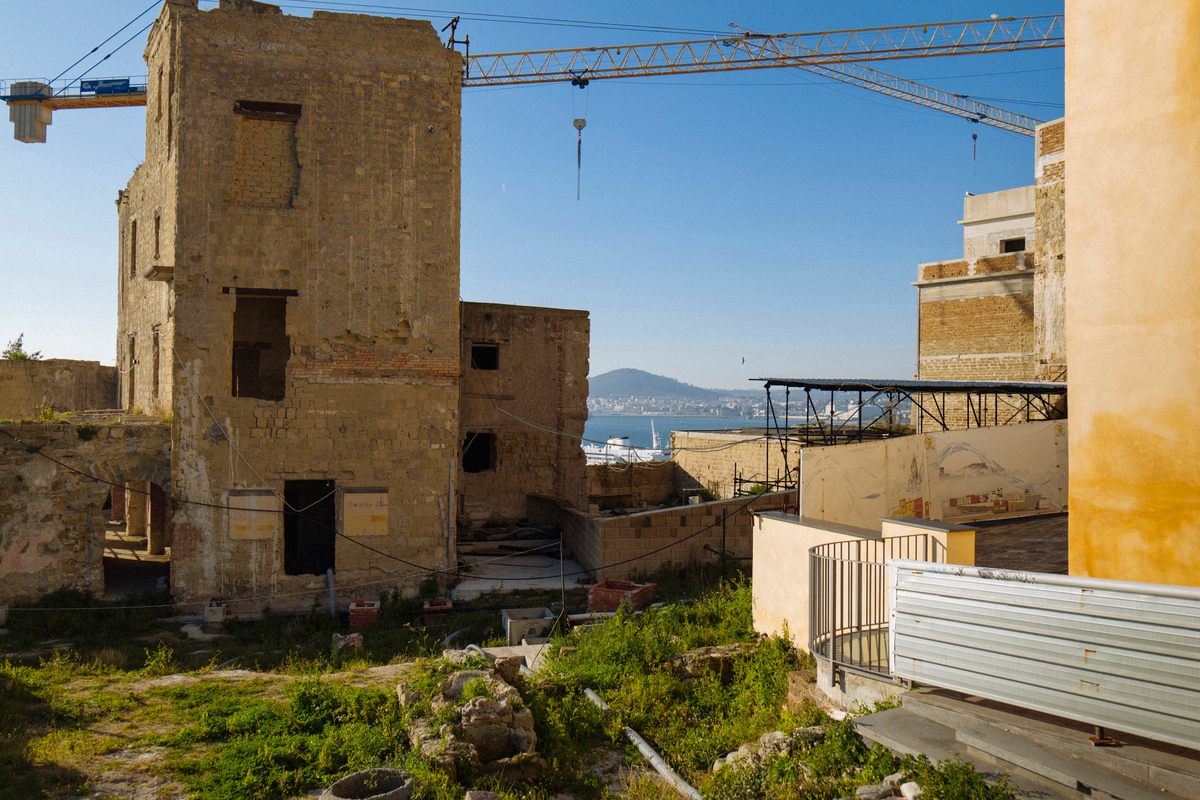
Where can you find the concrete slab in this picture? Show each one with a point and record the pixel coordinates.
(513, 573)
(532, 653)
(1170, 768)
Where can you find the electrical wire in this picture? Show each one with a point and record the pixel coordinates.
(106, 41)
(89, 70)
(476, 16)
(419, 567)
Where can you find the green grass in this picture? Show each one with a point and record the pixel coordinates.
(299, 729)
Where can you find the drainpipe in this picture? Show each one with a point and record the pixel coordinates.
(656, 761)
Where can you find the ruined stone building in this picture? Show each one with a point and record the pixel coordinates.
(289, 300)
(997, 313)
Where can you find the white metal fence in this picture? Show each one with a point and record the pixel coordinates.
(1109, 653)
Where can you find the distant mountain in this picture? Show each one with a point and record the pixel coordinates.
(639, 383)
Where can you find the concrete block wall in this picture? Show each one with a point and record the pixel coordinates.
(28, 387)
(51, 519)
(599, 541)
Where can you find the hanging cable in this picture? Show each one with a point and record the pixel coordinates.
(106, 41)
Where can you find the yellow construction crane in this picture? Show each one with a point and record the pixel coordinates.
(834, 54)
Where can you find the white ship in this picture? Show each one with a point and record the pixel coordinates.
(618, 450)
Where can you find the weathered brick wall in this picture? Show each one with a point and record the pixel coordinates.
(626, 485)
(51, 522)
(708, 459)
(1049, 284)
(367, 247)
(538, 389)
(28, 387)
(978, 326)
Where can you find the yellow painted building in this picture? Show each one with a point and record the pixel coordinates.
(1133, 292)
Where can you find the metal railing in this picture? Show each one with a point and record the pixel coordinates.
(848, 598)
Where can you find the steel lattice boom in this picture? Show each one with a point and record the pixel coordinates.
(864, 77)
(766, 51)
(835, 54)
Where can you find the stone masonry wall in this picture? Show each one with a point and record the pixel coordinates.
(631, 485)
(707, 459)
(28, 387)
(538, 388)
(1049, 283)
(148, 238)
(365, 258)
(51, 523)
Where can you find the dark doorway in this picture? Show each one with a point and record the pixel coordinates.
(309, 527)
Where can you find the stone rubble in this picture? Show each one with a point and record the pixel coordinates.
(770, 745)
(494, 732)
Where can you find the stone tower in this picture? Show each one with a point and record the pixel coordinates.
(290, 293)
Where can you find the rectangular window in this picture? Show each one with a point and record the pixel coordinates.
(157, 228)
(154, 364)
(131, 372)
(1013, 245)
(479, 451)
(260, 347)
(485, 356)
(309, 526)
(133, 249)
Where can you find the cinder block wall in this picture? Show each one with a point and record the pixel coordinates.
(599, 541)
(28, 387)
(51, 522)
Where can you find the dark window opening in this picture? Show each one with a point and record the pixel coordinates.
(260, 347)
(157, 228)
(1013, 245)
(158, 93)
(479, 452)
(154, 364)
(131, 372)
(309, 535)
(265, 110)
(133, 249)
(485, 356)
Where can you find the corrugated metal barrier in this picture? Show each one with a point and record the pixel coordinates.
(1115, 654)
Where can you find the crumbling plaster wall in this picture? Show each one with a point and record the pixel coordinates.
(51, 523)
(542, 379)
(27, 386)
(367, 245)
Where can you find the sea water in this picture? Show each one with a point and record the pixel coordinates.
(602, 427)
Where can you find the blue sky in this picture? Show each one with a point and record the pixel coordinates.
(765, 215)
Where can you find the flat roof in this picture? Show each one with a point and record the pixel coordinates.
(916, 386)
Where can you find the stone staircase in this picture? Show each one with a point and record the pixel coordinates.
(1046, 757)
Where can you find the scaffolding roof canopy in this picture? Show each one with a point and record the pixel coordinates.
(919, 387)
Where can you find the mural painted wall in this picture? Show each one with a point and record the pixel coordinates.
(954, 476)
